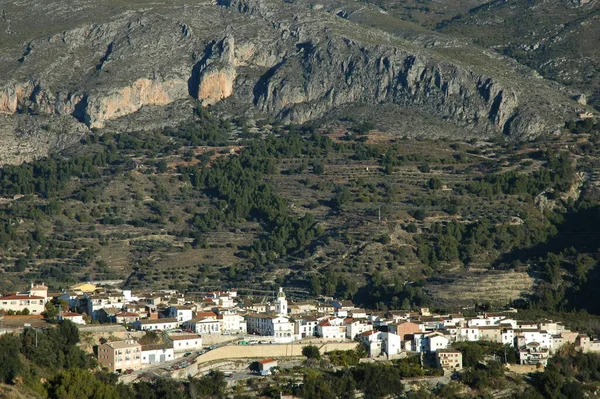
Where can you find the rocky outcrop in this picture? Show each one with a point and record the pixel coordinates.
(343, 72)
(125, 101)
(12, 95)
(216, 73)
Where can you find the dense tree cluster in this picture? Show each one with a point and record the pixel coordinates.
(454, 241)
(557, 175)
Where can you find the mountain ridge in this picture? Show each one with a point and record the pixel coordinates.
(269, 59)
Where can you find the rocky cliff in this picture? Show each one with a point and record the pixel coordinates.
(258, 57)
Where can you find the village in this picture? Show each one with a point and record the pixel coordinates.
(225, 320)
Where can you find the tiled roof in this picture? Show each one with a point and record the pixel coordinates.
(21, 297)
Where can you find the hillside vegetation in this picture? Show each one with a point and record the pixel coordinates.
(342, 211)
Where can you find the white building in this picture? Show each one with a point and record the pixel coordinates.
(156, 324)
(525, 337)
(186, 342)
(72, 317)
(233, 323)
(372, 341)
(157, 353)
(467, 334)
(391, 344)
(484, 321)
(33, 300)
(181, 313)
(305, 327)
(277, 325)
(356, 327)
(430, 342)
(19, 303)
(204, 323)
(331, 328)
(533, 354)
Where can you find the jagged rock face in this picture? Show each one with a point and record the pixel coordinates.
(217, 73)
(128, 100)
(275, 59)
(343, 73)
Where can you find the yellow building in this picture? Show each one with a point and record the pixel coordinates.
(84, 287)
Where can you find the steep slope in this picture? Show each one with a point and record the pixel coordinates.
(258, 58)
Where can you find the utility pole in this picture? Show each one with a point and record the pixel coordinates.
(379, 213)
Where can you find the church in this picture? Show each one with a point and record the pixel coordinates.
(274, 323)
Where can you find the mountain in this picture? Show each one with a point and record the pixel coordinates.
(557, 38)
(131, 66)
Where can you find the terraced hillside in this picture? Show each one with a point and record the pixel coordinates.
(323, 210)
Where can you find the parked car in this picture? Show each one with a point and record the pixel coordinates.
(128, 371)
(186, 354)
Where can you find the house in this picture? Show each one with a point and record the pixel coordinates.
(404, 328)
(72, 298)
(305, 327)
(185, 342)
(430, 342)
(484, 320)
(204, 323)
(232, 323)
(565, 337)
(258, 307)
(358, 313)
(585, 344)
(266, 366)
(76, 318)
(157, 353)
(449, 359)
(140, 308)
(302, 307)
(431, 323)
(543, 338)
(126, 317)
(371, 339)
(160, 324)
(226, 301)
(118, 356)
(355, 327)
(107, 315)
(325, 308)
(508, 336)
(181, 313)
(533, 354)
(491, 333)
(467, 334)
(93, 303)
(391, 344)
(23, 302)
(85, 288)
(331, 328)
(338, 305)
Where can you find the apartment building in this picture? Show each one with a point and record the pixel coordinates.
(118, 356)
